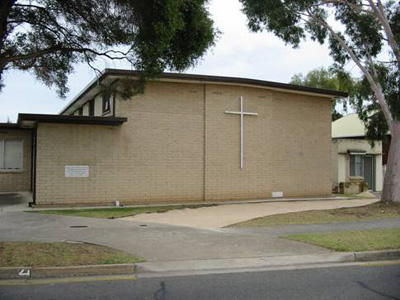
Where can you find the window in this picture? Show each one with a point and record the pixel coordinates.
(106, 101)
(91, 108)
(11, 155)
(80, 111)
(356, 165)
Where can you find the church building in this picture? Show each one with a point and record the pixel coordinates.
(186, 138)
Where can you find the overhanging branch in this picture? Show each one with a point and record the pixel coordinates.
(375, 86)
(380, 15)
(118, 55)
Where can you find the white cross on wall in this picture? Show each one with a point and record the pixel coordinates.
(242, 114)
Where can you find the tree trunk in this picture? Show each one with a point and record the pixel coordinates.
(391, 187)
(5, 8)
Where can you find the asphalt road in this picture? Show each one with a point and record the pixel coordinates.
(348, 282)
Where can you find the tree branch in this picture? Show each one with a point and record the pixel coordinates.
(380, 14)
(376, 87)
(5, 8)
(111, 54)
(65, 31)
(34, 55)
(372, 66)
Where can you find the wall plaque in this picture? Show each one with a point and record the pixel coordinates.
(76, 171)
(277, 194)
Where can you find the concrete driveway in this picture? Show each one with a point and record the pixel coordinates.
(223, 215)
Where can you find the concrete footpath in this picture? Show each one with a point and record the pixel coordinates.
(224, 215)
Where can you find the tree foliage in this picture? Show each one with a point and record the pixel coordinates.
(361, 41)
(330, 79)
(48, 37)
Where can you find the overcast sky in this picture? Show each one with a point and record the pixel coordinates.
(238, 53)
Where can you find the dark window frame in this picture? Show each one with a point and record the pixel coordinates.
(91, 108)
(106, 102)
(353, 165)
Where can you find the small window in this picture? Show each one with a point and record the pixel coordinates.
(106, 101)
(11, 155)
(80, 111)
(356, 165)
(91, 108)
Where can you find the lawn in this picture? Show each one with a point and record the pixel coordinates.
(366, 240)
(117, 212)
(25, 254)
(373, 211)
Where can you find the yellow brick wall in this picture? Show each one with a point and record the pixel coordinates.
(156, 156)
(286, 147)
(17, 181)
(161, 154)
(59, 145)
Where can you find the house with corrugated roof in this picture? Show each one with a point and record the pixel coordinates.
(355, 161)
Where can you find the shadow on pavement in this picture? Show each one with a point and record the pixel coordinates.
(365, 286)
(8, 199)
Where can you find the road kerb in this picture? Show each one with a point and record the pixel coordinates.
(50, 272)
(376, 255)
(194, 265)
(265, 262)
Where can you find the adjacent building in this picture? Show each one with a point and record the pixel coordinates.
(354, 158)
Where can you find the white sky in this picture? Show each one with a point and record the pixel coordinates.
(238, 53)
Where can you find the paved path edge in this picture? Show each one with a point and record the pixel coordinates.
(24, 273)
(50, 207)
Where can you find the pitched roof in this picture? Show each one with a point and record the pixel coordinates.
(348, 126)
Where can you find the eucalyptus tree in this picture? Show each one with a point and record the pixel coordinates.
(49, 37)
(365, 32)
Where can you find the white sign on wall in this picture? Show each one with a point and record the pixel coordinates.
(76, 171)
(277, 194)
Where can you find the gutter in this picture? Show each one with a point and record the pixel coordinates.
(32, 119)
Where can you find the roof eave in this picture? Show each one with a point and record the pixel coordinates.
(9, 126)
(27, 120)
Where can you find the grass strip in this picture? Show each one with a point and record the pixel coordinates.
(365, 240)
(26, 254)
(373, 211)
(116, 212)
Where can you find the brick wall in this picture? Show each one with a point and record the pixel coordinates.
(17, 181)
(286, 147)
(156, 156)
(161, 154)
